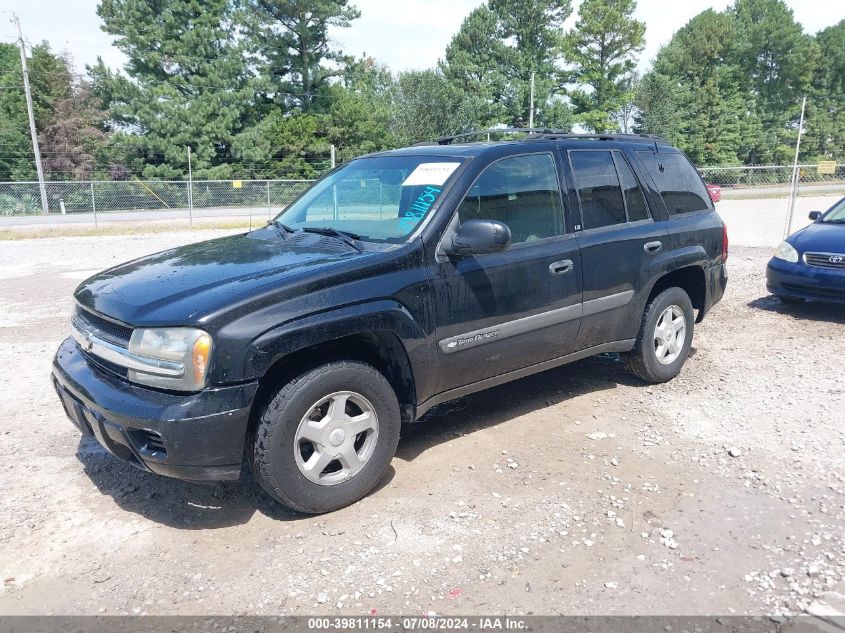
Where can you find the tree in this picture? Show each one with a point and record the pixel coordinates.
(427, 105)
(825, 135)
(776, 60)
(292, 36)
(695, 90)
(657, 100)
(187, 83)
(603, 48)
(73, 138)
(358, 121)
(474, 63)
(66, 120)
(497, 49)
(16, 155)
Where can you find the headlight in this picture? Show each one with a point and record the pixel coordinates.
(786, 252)
(185, 350)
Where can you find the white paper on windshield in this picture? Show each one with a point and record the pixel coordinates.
(430, 174)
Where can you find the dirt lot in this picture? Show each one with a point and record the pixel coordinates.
(579, 490)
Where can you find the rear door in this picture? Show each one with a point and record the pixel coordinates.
(695, 230)
(504, 311)
(619, 244)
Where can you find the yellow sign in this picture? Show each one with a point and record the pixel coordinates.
(237, 184)
(827, 166)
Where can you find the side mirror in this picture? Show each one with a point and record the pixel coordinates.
(479, 237)
(815, 215)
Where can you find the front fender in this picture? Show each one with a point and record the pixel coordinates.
(299, 334)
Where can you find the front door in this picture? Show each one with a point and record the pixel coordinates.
(504, 311)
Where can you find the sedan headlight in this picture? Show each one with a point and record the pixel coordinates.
(786, 252)
(183, 355)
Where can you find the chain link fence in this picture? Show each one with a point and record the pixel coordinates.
(143, 199)
(755, 201)
(760, 204)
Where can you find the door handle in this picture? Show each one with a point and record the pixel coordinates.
(563, 266)
(653, 247)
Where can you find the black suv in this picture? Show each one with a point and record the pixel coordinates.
(398, 281)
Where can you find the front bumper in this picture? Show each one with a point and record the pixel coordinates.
(194, 436)
(801, 281)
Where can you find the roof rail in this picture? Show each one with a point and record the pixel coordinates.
(607, 137)
(532, 131)
(542, 133)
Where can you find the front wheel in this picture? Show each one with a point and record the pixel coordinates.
(665, 337)
(327, 437)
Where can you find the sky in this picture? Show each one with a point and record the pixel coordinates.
(404, 34)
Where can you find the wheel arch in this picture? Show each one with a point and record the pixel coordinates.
(383, 336)
(691, 279)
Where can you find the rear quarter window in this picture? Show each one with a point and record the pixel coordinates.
(677, 180)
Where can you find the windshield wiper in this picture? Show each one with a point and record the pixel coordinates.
(280, 225)
(346, 237)
(836, 221)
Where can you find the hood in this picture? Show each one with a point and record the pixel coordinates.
(822, 237)
(178, 286)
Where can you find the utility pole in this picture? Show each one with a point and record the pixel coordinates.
(191, 191)
(45, 207)
(793, 185)
(531, 108)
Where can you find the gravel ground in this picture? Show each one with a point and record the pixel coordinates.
(579, 490)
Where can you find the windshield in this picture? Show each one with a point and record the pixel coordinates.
(382, 198)
(836, 213)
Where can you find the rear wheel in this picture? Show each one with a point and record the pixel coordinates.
(665, 337)
(327, 437)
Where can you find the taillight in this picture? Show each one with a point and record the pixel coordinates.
(724, 242)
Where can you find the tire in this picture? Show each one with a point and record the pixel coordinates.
(643, 360)
(790, 301)
(293, 432)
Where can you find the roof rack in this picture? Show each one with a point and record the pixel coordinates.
(542, 133)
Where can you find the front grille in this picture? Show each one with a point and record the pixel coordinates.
(826, 260)
(106, 365)
(112, 331)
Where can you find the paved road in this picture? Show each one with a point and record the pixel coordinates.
(259, 213)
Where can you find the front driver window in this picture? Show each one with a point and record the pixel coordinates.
(522, 192)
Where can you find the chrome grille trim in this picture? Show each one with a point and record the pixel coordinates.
(835, 261)
(92, 342)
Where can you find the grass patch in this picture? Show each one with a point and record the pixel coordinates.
(32, 233)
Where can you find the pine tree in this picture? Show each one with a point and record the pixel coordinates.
(186, 83)
(825, 135)
(497, 49)
(293, 37)
(603, 47)
(776, 59)
(16, 157)
(706, 111)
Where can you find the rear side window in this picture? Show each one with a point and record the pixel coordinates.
(634, 200)
(521, 191)
(598, 188)
(677, 181)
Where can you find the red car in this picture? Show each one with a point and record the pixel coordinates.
(715, 191)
